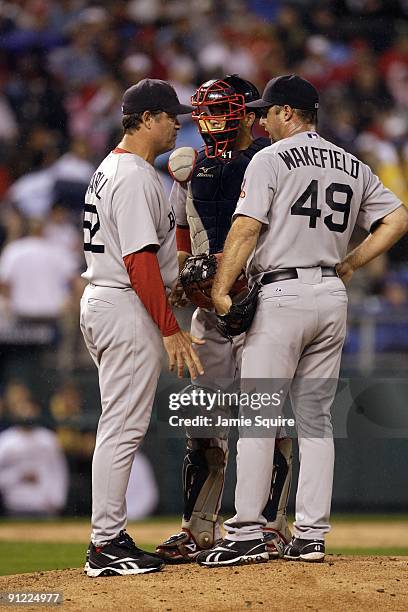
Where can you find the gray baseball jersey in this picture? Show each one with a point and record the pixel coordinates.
(309, 194)
(126, 210)
(314, 185)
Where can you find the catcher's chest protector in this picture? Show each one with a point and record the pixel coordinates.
(215, 187)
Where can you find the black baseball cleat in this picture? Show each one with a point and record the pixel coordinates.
(121, 557)
(230, 552)
(305, 550)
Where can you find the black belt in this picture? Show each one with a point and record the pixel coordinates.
(290, 273)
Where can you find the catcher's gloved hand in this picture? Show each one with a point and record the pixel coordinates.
(197, 278)
(240, 316)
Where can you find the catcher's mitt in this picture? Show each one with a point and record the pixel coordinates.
(197, 278)
(240, 316)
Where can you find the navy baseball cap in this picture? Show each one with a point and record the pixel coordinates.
(153, 95)
(288, 89)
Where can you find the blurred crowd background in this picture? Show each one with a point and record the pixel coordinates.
(63, 68)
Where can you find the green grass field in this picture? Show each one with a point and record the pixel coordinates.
(23, 557)
(26, 556)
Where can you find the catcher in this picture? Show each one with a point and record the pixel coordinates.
(204, 195)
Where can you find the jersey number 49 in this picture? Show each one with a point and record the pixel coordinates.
(312, 192)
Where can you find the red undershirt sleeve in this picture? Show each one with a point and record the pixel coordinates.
(145, 277)
(183, 239)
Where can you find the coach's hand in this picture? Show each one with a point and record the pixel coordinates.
(180, 351)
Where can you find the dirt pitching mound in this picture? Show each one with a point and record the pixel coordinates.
(341, 583)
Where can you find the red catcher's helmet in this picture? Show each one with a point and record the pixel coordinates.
(219, 105)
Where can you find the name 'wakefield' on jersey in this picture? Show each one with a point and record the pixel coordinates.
(322, 158)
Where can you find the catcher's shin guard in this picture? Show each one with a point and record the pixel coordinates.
(275, 509)
(203, 483)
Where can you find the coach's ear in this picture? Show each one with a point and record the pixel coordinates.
(147, 119)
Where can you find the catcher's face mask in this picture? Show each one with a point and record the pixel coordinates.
(217, 112)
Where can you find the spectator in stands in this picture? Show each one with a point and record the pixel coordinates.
(35, 275)
(395, 290)
(16, 394)
(94, 113)
(368, 92)
(33, 470)
(382, 157)
(77, 63)
(136, 67)
(66, 405)
(33, 192)
(72, 169)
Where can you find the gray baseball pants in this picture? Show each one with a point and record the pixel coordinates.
(221, 359)
(297, 334)
(126, 347)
